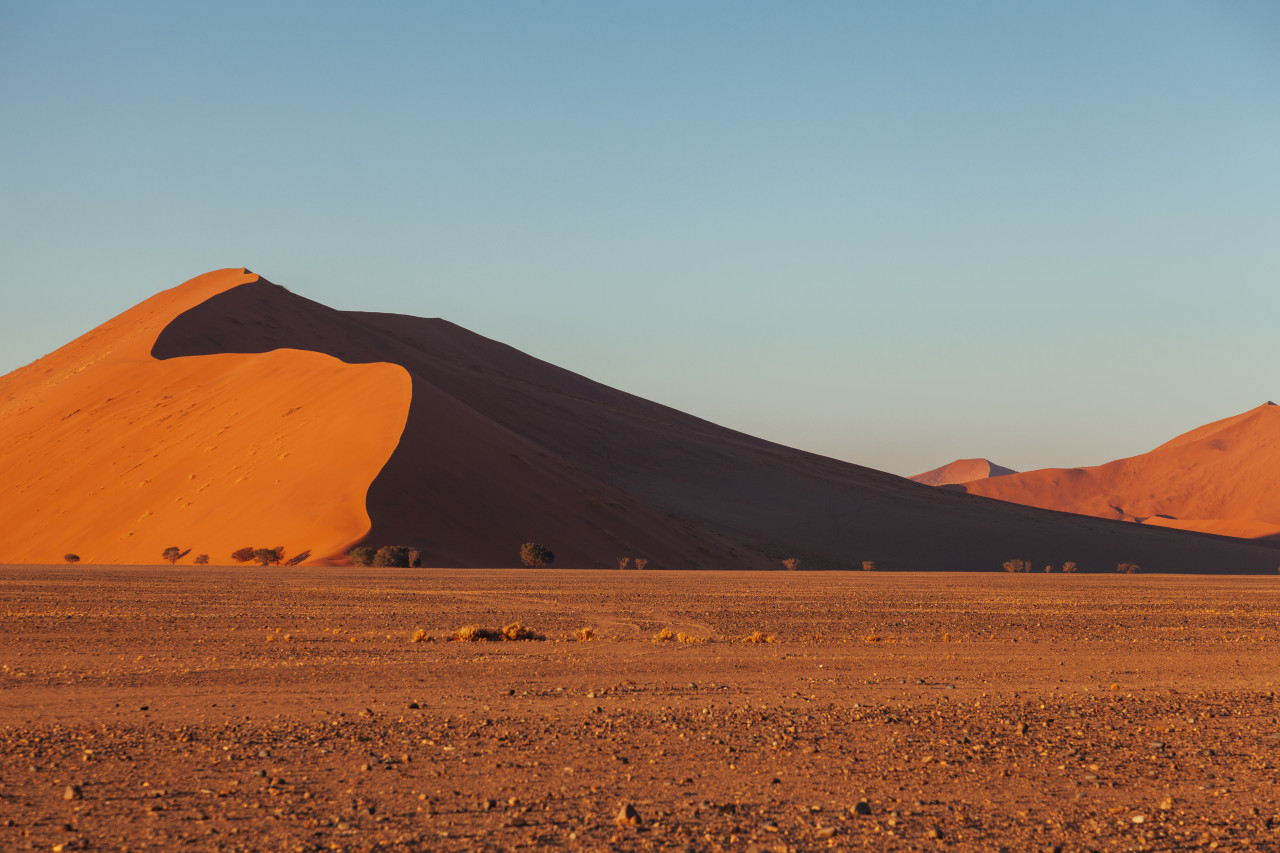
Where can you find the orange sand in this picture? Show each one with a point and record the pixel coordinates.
(1219, 478)
(114, 455)
(230, 412)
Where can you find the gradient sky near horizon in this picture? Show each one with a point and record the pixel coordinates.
(895, 233)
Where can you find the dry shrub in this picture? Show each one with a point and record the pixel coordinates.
(623, 561)
(516, 631)
(759, 637)
(475, 634)
(871, 638)
(689, 638)
(946, 638)
(666, 635)
(641, 562)
(585, 635)
(419, 636)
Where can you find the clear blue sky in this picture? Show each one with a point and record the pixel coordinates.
(894, 232)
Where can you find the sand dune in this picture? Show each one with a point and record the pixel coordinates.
(962, 471)
(229, 411)
(1219, 478)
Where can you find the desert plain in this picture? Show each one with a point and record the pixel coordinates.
(149, 708)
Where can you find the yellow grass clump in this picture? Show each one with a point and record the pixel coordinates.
(871, 638)
(476, 634)
(666, 635)
(689, 638)
(420, 636)
(759, 637)
(585, 635)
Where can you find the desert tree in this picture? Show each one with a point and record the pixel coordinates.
(391, 557)
(266, 556)
(202, 559)
(242, 555)
(362, 556)
(1017, 566)
(622, 562)
(641, 562)
(1128, 568)
(868, 565)
(1069, 567)
(791, 564)
(415, 558)
(71, 558)
(1048, 569)
(172, 554)
(535, 556)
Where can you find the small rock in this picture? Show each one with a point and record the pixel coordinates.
(627, 816)
(72, 793)
(413, 706)
(825, 832)
(264, 753)
(933, 832)
(862, 807)
(145, 708)
(1166, 804)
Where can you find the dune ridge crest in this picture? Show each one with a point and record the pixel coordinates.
(962, 471)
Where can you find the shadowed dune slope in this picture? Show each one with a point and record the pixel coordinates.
(114, 455)
(499, 448)
(1222, 478)
(962, 471)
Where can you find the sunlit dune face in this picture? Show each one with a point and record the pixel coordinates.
(116, 455)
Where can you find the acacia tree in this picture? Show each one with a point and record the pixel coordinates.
(242, 555)
(202, 560)
(71, 558)
(362, 556)
(172, 553)
(535, 556)
(266, 556)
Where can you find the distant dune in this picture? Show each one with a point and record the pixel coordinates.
(1221, 478)
(229, 412)
(962, 471)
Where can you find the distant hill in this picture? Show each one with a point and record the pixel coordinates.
(962, 471)
(229, 412)
(1221, 478)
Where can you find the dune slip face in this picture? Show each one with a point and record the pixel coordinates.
(229, 412)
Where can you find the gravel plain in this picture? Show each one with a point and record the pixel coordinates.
(149, 708)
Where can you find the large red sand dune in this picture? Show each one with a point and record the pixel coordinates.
(229, 411)
(1222, 478)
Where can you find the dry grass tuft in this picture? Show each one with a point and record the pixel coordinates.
(689, 638)
(871, 638)
(666, 635)
(476, 634)
(516, 631)
(585, 635)
(759, 637)
(420, 636)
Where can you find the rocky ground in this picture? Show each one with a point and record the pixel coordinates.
(290, 709)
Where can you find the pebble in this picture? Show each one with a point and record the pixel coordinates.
(862, 807)
(72, 793)
(627, 816)
(825, 832)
